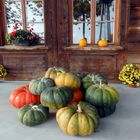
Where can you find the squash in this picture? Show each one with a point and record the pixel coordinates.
(36, 86)
(21, 96)
(104, 111)
(93, 78)
(102, 43)
(102, 95)
(77, 96)
(83, 42)
(78, 119)
(53, 72)
(55, 97)
(32, 115)
(67, 79)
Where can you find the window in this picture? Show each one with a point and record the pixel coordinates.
(27, 14)
(94, 20)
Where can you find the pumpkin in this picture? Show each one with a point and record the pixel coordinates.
(31, 115)
(53, 72)
(36, 86)
(104, 111)
(102, 43)
(83, 42)
(78, 119)
(77, 96)
(21, 96)
(102, 95)
(67, 79)
(93, 78)
(55, 97)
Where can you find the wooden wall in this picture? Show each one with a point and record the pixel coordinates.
(134, 32)
(28, 64)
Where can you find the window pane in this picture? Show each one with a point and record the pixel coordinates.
(13, 14)
(34, 11)
(78, 32)
(35, 17)
(37, 28)
(81, 20)
(105, 15)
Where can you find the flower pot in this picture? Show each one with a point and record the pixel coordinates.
(25, 42)
(132, 86)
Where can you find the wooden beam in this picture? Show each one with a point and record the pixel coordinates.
(24, 22)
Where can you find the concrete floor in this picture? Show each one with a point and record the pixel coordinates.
(124, 124)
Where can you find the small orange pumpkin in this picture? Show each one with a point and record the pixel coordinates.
(83, 43)
(102, 43)
(77, 96)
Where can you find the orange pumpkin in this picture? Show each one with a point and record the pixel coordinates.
(83, 43)
(77, 96)
(21, 96)
(102, 43)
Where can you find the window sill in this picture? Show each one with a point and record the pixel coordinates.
(21, 48)
(95, 48)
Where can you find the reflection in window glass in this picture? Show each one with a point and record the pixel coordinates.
(35, 17)
(105, 13)
(81, 20)
(13, 14)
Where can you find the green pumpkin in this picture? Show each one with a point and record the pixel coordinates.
(102, 95)
(91, 79)
(36, 86)
(104, 111)
(56, 97)
(31, 115)
(78, 119)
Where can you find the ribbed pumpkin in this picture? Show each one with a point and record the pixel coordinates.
(21, 96)
(91, 79)
(77, 96)
(31, 115)
(78, 119)
(104, 111)
(102, 95)
(36, 86)
(55, 97)
(53, 72)
(67, 79)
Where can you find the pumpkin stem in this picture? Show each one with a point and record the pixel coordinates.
(93, 78)
(35, 107)
(79, 110)
(100, 84)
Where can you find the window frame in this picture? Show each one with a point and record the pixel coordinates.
(117, 18)
(24, 20)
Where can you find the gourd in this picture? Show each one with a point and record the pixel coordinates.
(56, 97)
(53, 72)
(77, 96)
(78, 119)
(102, 95)
(91, 79)
(83, 42)
(22, 96)
(67, 79)
(32, 115)
(102, 43)
(36, 86)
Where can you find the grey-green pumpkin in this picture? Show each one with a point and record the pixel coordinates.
(93, 78)
(56, 97)
(78, 119)
(36, 86)
(32, 114)
(102, 95)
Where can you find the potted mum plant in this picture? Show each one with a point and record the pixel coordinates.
(130, 75)
(22, 37)
(3, 72)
